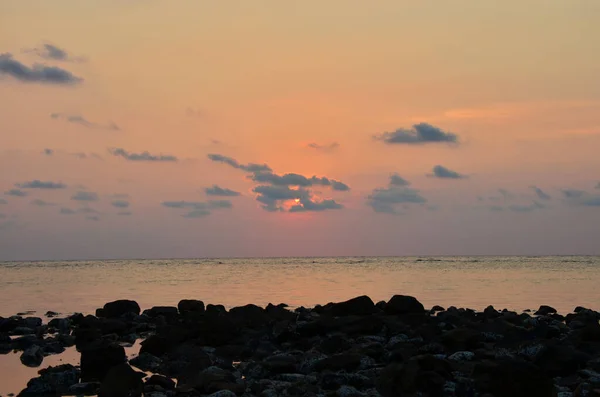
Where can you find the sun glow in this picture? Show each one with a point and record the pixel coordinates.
(297, 200)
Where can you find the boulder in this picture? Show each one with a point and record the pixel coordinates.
(98, 358)
(214, 379)
(165, 311)
(338, 362)
(545, 310)
(121, 381)
(52, 381)
(162, 381)
(425, 374)
(251, 316)
(120, 307)
(361, 305)
(515, 378)
(190, 305)
(146, 362)
(561, 360)
(33, 356)
(32, 322)
(403, 304)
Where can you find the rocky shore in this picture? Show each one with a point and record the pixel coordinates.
(348, 349)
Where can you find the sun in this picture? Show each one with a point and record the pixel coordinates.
(297, 200)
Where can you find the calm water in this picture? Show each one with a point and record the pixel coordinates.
(513, 282)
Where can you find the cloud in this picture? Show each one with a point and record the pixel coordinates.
(216, 190)
(144, 156)
(85, 196)
(120, 204)
(250, 167)
(92, 218)
(293, 179)
(540, 193)
(327, 148)
(309, 205)
(88, 210)
(16, 193)
(198, 209)
(419, 134)
(66, 211)
(120, 196)
(42, 203)
(397, 180)
(573, 193)
(2, 201)
(55, 53)
(272, 198)
(78, 119)
(442, 172)
(37, 184)
(525, 208)
(124, 213)
(38, 73)
(598, 185)
(48, 152)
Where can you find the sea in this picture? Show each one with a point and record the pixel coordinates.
(516, 283)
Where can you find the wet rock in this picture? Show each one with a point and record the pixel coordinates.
(514, 378)
(222, 393)
(462, 356)
(545, 310)
(98, 358)
(61, 324)
(403, 304)
(52, 381)
(23, 331)
(120, 307)
(112, 326)
(338, 362)
(146, 362)
(165, 311)
(162, 381)
(33, 356)
(561, 360)
(85, 389)
(156, 345)
(424, 374)
(461, 339)
(214, 379)
(51, 314)
(190, 306)
(251, 316)
(121, 381)
(348, 391)
(361, 305)
(281, 363)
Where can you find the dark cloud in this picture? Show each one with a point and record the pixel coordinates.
(250, 167)
(16, 193)
(216, 190)
(37, 73)
(77, 119)
(85, 196)
(55, 53)
(120, 204)
(66, 211)
(124, 213)
(309, 205)
(421, 133)
(144, 156)
(506, 195)
(293, 179)
(439, 171)
(591, 201)
(324, 148)
(271, 198)
(573, 193)
(48, 152)
(198, 209)
(2, 201)
(540, 193)
(42, 203)
(397, 180)
(385, 199)
(37, 184)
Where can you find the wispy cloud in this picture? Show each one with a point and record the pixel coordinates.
(326, 148)
(250, 167)
(419, 134)
(78, 119)
(540, 193)
(55, 53)
(85, 196)
(66, 211)
(143, 156)
(216, 190)
(397, 180)
(198, 209)
(38, 73)
(120, 204)
(42, 203)
(16, 193)
(37, 184)
(48, 152)
(439, 171)
(2, 201)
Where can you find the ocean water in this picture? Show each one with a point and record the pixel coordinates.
(516, 283)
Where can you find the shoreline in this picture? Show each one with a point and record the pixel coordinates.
(352, 348)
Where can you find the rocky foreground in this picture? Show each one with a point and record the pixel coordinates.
(348, 349)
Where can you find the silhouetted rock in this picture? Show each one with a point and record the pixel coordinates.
(120, 307)
(162, 381)
(33, 356)
(403, 304)
(165, 311)
(514, 378)
(190, 305)
(121, 381)
(361, 305)
(52, 381)
(98, 358)
(545, 310)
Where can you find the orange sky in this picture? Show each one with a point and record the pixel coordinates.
(515, 82)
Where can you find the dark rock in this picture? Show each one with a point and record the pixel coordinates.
(157, 345)
(461, 339)
(50, 313)
(85, 389)
(403, 304)
(419, 374)
(112, 326)
(162, 381)
(215, 309)
(23, 331)
(32, 322)
(25, 342)
(338, 362)
(98, 358)
(281, 363)
(146, 362)
(9, 324)
(52, 381)
(190, 305)
(165, 311)
(120, 307)
(513, 378)
(361, 305)
(121, 381)
(214, 379)
(437, 308)
(251, 316)
(545, 310)
(61, 324)
(280, 312)
(561, 360)
(33, 356)
(335, 344)
(86, 336)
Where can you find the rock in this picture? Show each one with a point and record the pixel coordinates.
(335, 344)
(23, 331)
(462, 356)
(215, 309)
(52, 381)
(146, 362)
(561, 360)
(32, 322)
(222, 393)
(157, 345)
(513, 378)
(165, 311)
(162, 381)
(251, 316)
(120, 307)
(437, 308)
(349, 391)
(86, 388)
(61, 324)
(403, 304)
(359, 306)
(98, 358)
(424, 374)
(112, 326)
(214, 379)
(461, 339)
(190, 305)
(121, 381)
(281, 363)
(338, 362)
(33, 356)
(545, 310)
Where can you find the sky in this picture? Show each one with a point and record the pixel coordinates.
(154, 129)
